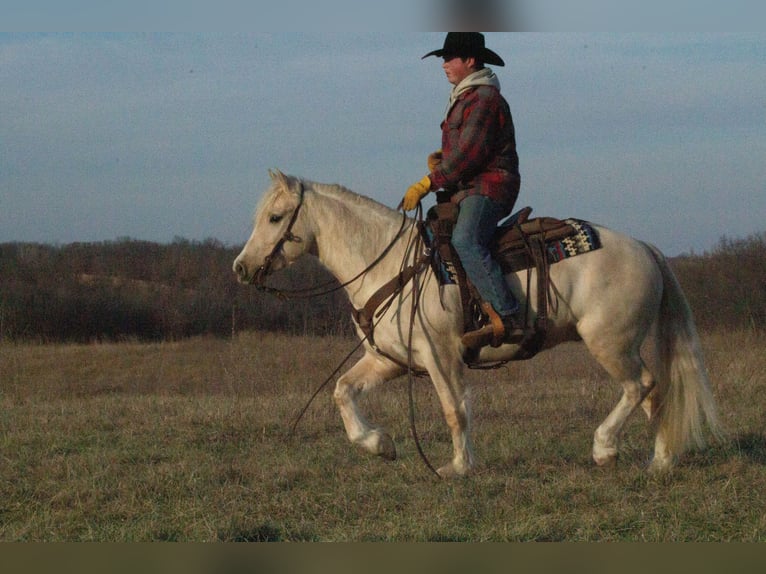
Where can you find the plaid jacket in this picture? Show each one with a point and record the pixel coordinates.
(479, 149)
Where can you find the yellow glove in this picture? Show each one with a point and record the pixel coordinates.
(434, 160)
(415, 193)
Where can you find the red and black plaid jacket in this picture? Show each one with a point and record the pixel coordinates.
(479, 149)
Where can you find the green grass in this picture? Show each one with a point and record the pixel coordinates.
(188, 441)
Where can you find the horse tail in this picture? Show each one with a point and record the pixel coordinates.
(685, 403)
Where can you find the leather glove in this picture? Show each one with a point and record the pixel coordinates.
(434, 160)
(415, 192)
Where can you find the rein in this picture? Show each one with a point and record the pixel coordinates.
(411, 373)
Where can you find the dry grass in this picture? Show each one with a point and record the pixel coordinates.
(187, 441)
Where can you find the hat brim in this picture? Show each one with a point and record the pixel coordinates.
(487, 56)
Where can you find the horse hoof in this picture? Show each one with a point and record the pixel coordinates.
(387, 448)
(449, 471)
(658, 467)
(606, 462)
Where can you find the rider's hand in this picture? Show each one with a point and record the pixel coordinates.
(415, 192)
(434, 160)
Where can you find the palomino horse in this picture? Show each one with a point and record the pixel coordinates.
(614, 299)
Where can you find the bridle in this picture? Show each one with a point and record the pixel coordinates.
(287, 237)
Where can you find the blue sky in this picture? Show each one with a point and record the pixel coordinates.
(152, 135)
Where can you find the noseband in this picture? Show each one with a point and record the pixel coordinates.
(288, 236)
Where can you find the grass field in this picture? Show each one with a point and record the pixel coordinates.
(188, 441)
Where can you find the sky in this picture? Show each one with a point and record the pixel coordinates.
(156, 136)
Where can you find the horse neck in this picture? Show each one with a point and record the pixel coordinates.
(351, 232)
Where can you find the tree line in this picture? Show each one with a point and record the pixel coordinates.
(129, 289)
(726, 287)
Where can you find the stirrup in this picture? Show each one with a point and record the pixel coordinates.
(515, 332)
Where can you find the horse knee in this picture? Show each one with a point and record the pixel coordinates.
(344, 393)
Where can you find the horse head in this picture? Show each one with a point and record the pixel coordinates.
(279, 235)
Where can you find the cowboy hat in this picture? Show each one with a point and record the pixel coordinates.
(467, 45)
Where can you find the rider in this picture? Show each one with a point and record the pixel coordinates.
(477, 168)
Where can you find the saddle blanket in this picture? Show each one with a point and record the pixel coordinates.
(584, 239)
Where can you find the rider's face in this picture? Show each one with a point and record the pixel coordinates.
(457, 68)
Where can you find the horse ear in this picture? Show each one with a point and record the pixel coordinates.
(278, 177)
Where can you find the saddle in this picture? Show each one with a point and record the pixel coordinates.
(519, 243)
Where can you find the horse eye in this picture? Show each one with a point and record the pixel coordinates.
(276, 218)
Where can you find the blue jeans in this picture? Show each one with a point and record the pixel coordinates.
(475, 227)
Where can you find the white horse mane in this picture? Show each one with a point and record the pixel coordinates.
(369, 222)
(351, 199)
(342, 195)
(342, 211)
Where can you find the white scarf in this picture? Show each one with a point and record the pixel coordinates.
(484, 77)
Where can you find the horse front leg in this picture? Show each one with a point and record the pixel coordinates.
(371, 370)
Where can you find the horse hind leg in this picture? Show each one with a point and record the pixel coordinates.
(370, 371)
(637, 383)
(662, 458)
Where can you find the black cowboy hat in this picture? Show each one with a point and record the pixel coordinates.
(467, 45)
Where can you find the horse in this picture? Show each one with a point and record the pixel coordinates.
(615, 299)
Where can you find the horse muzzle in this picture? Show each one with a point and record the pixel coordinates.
(240, 270)
(257, 277)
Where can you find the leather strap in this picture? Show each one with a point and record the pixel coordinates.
(365, 317)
